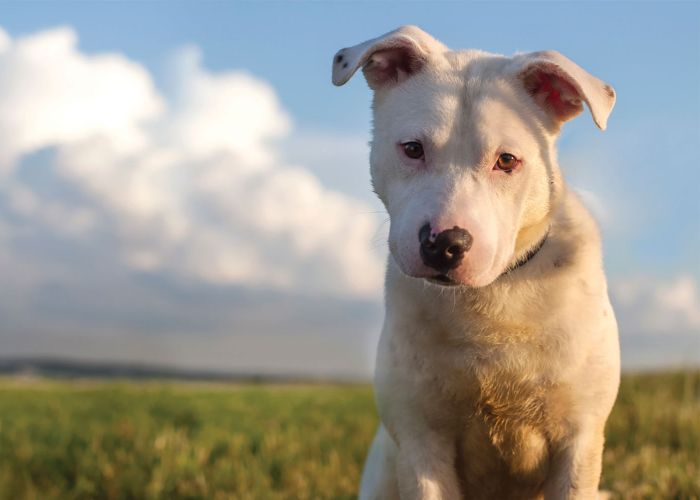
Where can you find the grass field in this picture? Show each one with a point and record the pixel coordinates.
(177, 440)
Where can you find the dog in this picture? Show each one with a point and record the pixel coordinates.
(498, 362)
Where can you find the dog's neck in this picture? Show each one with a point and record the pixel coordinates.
(528, 255)
(529, 242)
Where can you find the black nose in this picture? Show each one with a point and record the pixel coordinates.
(444, 251)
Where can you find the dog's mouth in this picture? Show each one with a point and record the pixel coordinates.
(442, 280)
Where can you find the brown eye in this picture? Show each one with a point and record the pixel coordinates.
(506, 162)
(413, 149)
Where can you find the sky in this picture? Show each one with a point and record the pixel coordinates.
(180, 183)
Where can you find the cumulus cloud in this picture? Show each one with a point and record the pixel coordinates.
(651, 306)
(659, 320)
(232, 112)
(53, 94)
(681, 297)
(189, 184)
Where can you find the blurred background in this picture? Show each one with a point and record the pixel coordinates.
(181, 186)
(184, 195)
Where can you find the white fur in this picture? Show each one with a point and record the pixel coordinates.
(499, 386)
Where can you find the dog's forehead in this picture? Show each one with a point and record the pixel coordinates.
(463, 74)
(463, 90)
(473, 63)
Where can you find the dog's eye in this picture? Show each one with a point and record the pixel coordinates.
(506, 162)
(413, 150)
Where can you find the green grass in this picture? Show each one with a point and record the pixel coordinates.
(167, 440)
(653, 438)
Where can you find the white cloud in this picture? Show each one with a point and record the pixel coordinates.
(52, 94)
(188, 185)
(232, 112)
(650, 306)
(339, 159)
(681, 298)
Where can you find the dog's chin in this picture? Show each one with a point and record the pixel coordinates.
(452, 280)
(434, 278)
(443, 280)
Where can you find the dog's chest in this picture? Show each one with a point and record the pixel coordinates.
(507, 421)
(498, 400)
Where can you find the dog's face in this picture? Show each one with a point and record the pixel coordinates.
(463, 151)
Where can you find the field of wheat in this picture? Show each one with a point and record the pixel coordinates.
(166, 440)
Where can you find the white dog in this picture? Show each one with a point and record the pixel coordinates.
(499, 361)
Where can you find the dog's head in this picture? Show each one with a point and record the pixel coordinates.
(463, 152)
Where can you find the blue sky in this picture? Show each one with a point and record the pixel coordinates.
(640, 178)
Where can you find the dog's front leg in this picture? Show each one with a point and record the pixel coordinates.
(576, 467)
(426, 469)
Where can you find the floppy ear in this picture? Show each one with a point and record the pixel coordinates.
(386, 60)
(560, 87)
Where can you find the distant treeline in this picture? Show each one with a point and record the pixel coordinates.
(67, 368)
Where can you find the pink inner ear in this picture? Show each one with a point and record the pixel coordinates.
(553, 93)
(391, 65)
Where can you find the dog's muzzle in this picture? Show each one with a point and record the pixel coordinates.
(443, 252)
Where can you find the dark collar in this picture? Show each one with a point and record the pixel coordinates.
(528, 256)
